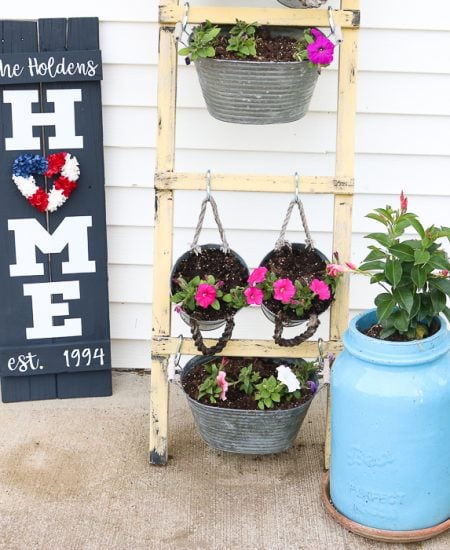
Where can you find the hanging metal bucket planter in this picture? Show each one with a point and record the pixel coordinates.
(245, 431)
(301, 4)
(256, 92)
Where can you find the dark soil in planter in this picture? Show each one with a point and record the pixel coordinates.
(224, 267)
(237, 399)
(375, 330)
(296, 263)
(268, 48)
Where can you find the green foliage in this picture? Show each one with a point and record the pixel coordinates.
(269, 392)
(412, 272)
(235, 298)
(242, 39)
(209, 387)
(201, 41)
(247, 379)
(305, 371)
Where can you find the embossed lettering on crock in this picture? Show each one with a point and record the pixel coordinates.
(359, 457)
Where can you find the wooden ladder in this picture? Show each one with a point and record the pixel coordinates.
(167, 181)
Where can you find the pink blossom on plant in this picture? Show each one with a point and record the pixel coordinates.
(223, 384)
(351, 266)
(321, 50)
(403, 203)
(284, 290)
(254, 295)
(177, 309)
(224, 361)
(334, 269)
(206, 294)
(321, 289)
(257, 276)
(443, 273)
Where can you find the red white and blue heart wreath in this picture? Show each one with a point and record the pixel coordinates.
(63, 165)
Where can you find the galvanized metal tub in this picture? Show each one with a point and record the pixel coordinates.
(256, 92)
(242, 431)
(299, 4)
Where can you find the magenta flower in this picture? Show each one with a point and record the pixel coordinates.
(177, 309)
(254, 295)
(284, 290)
(320, 52)
(223, 384)
(257, 276)
(206, 294)
(321, 289)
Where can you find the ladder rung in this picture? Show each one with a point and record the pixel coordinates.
(167, 345)
(250, 183)
(170, 15)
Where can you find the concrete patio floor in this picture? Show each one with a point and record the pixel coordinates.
(74, 475)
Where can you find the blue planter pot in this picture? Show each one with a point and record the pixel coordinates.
(390, 444)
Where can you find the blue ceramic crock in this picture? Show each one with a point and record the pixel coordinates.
(390, 442)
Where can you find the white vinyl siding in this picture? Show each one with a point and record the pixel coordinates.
(402, 142)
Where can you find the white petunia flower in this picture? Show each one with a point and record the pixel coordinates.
(288, 378)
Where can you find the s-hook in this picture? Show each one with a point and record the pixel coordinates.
(180, 27)
(296, 180)
(174, 360)
(335, 29)
(208, 185)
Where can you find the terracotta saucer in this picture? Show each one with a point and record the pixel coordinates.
(372, 533)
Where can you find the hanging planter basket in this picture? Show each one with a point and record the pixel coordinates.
(290, 266)
(256, 92)
(251, 74)
(301, 4)
(256, 432)
(228, 270)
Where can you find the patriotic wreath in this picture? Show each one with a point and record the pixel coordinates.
(63, 165)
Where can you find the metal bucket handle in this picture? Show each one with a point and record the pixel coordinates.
(221, 343)
(312, 325)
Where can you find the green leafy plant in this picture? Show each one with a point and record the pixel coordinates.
(269, 392)
(201, 42)
(210, 387)
(413, 272)
(288, 382)
(247, 379)
(242, 39)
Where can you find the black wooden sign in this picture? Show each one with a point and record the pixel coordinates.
(54, 322)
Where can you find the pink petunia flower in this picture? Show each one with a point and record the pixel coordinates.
(320, 52)
(403, 203)
(257, 276)
(351, 266)
(284, 290)
(254, 295)
(443, 273)
(206, 294)
(177, 309)
(223, 384)
(321, 289)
